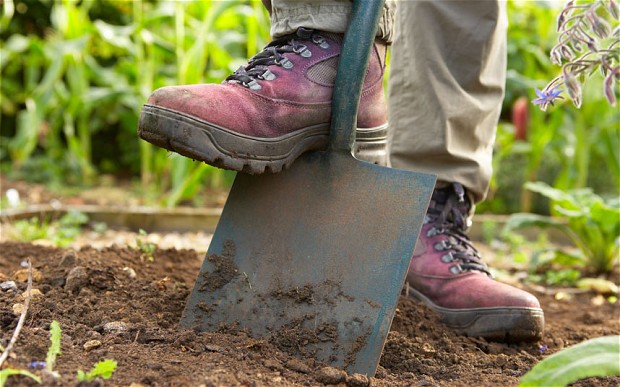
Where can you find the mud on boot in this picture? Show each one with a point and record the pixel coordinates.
(266, 114)
(448, 274)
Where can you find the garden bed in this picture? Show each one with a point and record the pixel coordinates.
(115, 303)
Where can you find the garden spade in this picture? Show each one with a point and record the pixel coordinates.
(313, 258)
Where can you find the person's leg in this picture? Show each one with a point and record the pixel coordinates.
(262, 117)
(323, 15)
(445, 93)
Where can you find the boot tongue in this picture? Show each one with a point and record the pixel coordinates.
(449, 207)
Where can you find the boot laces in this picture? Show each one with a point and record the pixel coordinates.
(448, 214)
(258, 66)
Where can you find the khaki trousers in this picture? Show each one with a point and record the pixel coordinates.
(446, 83)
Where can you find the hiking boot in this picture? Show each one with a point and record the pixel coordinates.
(448, 275)
(266, 114)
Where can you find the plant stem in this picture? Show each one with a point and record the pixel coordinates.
(22, 317)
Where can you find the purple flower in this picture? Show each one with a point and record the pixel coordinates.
(547, 96)
(37, 365)
(543, 348)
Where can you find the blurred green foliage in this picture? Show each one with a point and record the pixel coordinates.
(565, 147)
(74, 75)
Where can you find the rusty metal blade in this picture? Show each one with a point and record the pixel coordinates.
(313, 258)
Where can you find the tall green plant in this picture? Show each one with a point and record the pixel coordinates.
(72, 95)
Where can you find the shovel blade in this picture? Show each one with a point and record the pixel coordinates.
(313, 258)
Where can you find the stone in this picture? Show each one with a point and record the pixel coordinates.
(21, 275)
(18, 309)
(33, 293)
(92, 344)
(8, 285)
(115, 327)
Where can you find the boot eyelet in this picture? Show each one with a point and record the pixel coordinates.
(253, 85)
(267, 75)
(286, 63)
(441, 246)
(456, 269)
(320, 41)
(303, 51)
(446, 258)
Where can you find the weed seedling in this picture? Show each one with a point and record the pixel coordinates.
(147, 248)
(103, 369)
(54, 349)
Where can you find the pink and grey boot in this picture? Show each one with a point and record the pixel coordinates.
(266, 114)
(448, 275)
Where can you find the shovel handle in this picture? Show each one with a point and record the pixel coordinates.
(352, 66)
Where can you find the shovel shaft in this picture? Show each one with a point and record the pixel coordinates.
(351, 69)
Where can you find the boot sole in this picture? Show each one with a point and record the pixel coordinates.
(506, 324)
(217, 146)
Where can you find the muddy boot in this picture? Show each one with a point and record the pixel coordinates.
(448, 275)
(266, 114)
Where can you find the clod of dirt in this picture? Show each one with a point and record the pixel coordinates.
(298, 365)
(76, 279)
(330, 375)
(225, 268)
(357, 380)
(272, 364)
(69, 259)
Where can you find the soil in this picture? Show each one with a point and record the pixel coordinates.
(116, 303)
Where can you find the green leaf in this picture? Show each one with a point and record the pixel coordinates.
(54, 349)
(5, 373)
(524, 220)
(104, 368)
(591, 358)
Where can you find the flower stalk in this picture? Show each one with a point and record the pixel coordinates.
(586, 44)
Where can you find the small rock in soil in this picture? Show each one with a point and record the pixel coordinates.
(76, 279)
(18, 309)
(330, 375)
(115, 327)
(298, 365)
(8, 285)
(22, 275)
(33, 293)
(357, 380)
(131, 273)
(92, 344)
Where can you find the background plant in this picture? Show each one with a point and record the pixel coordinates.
(103, 369)
(564, 147)
(75, 75)
(586, 44)
(591, 358)
(592, 223)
